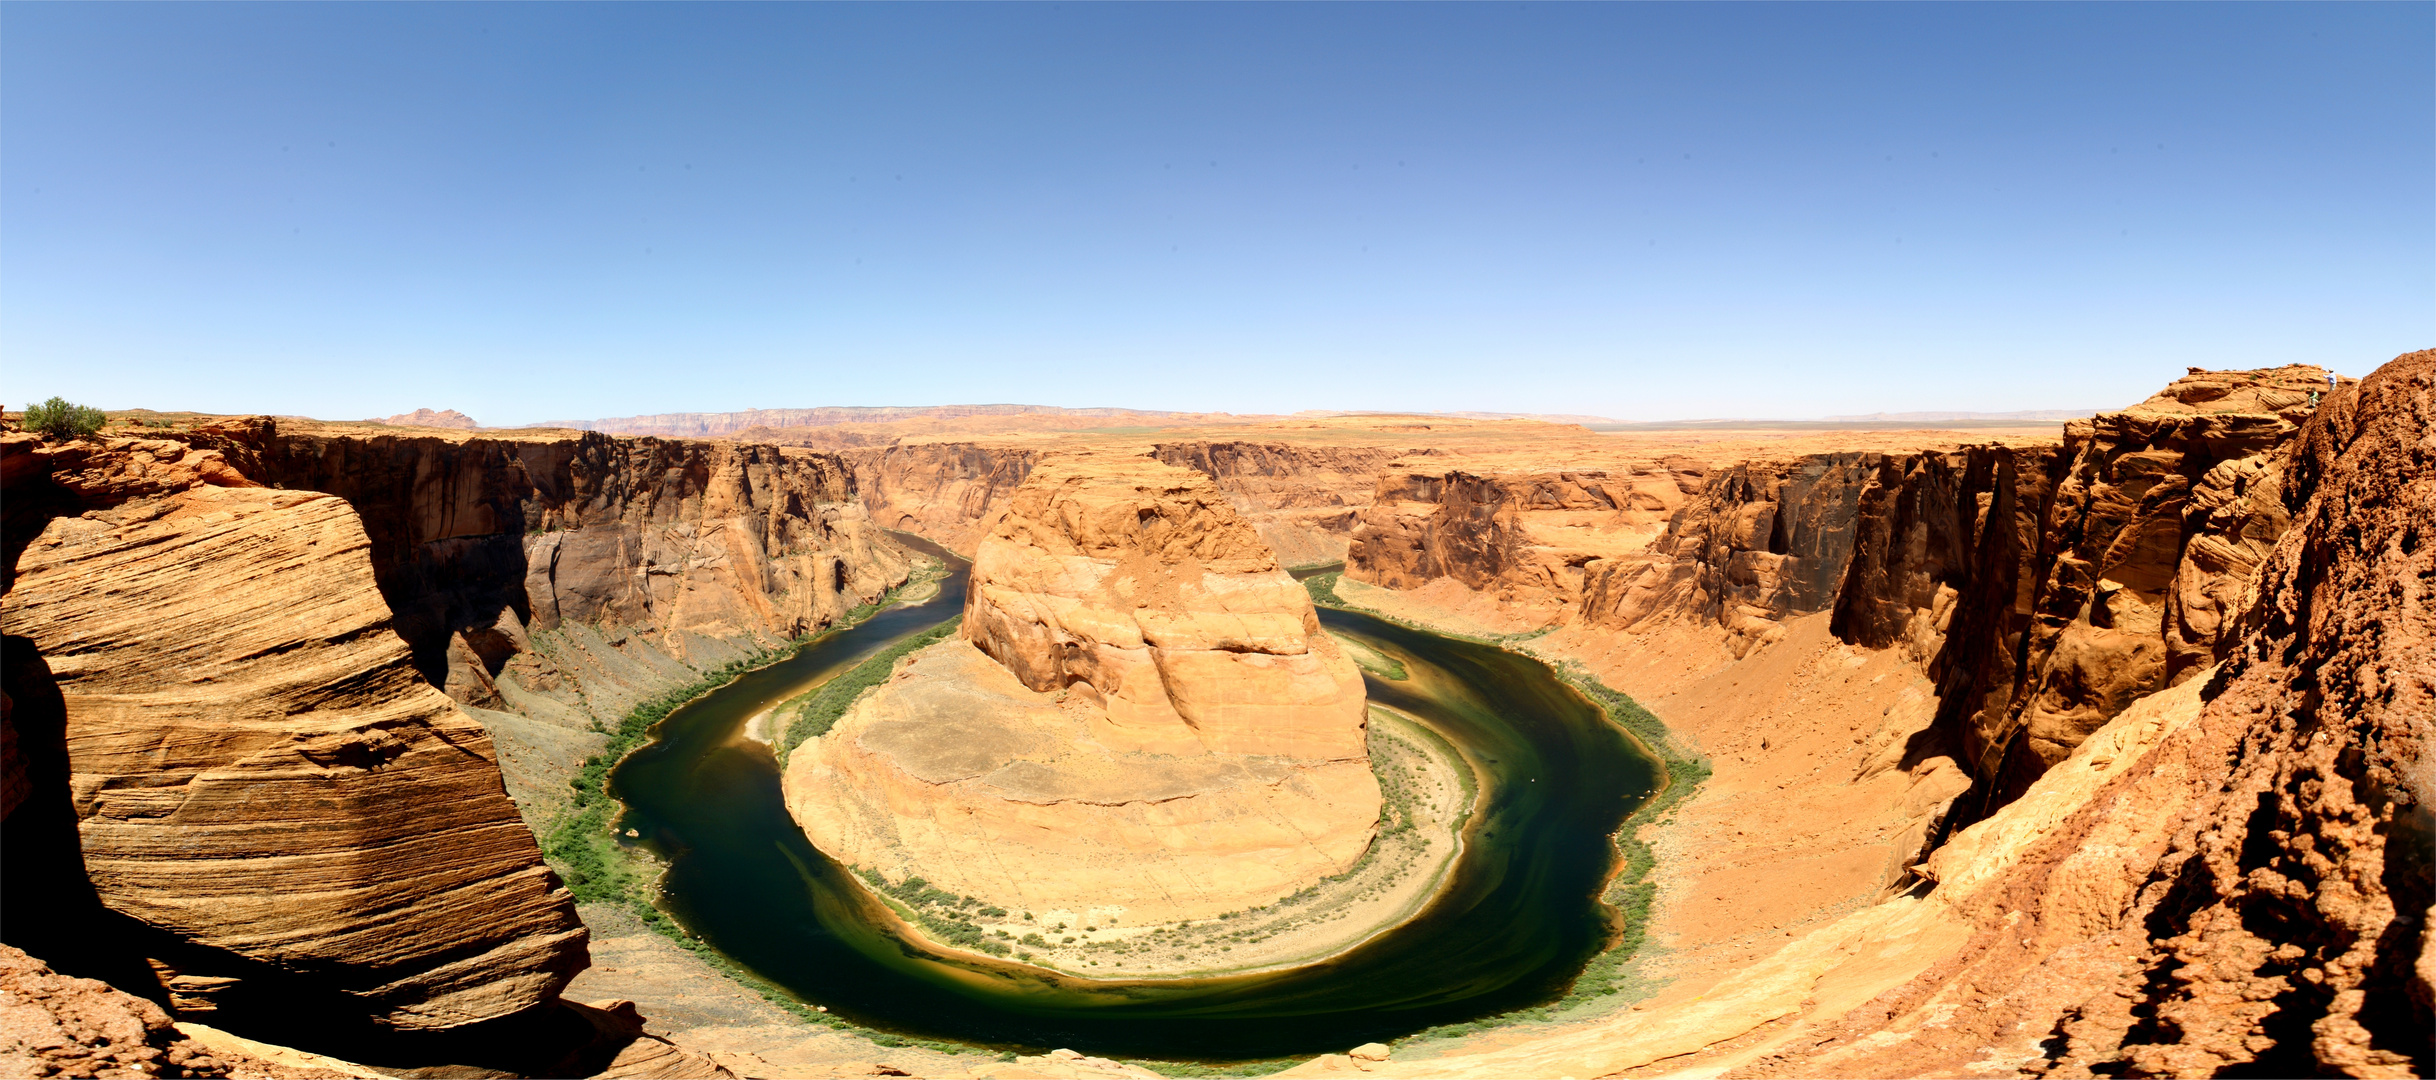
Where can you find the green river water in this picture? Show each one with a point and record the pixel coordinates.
(1515, 922)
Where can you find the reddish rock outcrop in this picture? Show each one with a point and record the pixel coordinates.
(228, 763)
(1525, 538)
(1143, 716)
(56, 1025)
(2230, 877)
(2044, 588)
(1303, 499)
(949, 493)
(2248, 891)
(256, 768)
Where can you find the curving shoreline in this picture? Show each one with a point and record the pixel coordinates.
(1520, 915)
(1394, 883)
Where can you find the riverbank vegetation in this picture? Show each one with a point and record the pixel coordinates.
(1613, 977)
(581, 845)
(815, 711)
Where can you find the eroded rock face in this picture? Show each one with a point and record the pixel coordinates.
(56, 1025)
(2232, 877)
(1304, 500)
(1142, 713)
(664, 536)
(2045, 588)
(949, 493)
(1140, 582)
(1526, 538)
(259, 773)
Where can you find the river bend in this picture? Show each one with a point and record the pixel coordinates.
(1513, 925)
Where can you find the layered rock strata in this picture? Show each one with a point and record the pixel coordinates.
(2230, 876)
(1527, 539)
(552, 582)
(2233, 877)
(1304, 500)
(949, 493)
(233, 779)
(2044, 588)
(255, 769)
(1142, 713)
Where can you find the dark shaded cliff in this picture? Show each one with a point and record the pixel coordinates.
(2239, 882)
(2043, 588)
(234, 781)
(1304, 500)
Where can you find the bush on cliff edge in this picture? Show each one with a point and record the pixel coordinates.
(60, 418)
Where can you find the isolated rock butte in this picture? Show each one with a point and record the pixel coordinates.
(1142, 714)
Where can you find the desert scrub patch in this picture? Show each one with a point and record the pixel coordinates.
(581, 847)
(60, 418)
(815, 711)
(945, 916)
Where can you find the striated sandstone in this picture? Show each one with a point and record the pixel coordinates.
(1304, 500)
(949, 493)
(1526, 538)
(2231, 877)
(550, 581)
(2228, 877)
(1140, 583)
(256, 768)
(2044, 588)
(1142, 713)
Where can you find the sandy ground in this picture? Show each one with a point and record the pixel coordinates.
(1819, 795)
(1423, 781)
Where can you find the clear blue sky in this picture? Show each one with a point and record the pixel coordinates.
(1645, 211)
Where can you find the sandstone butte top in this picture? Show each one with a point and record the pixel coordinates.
(1142, 716)
(1135, 584)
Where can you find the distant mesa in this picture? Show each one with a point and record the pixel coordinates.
(2024, 414)
(445, 418)
(726, 424)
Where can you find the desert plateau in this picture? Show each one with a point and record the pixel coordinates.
(2092, 748)
(1172, 541)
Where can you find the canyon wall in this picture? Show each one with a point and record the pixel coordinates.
(230, 752)
(549, 583)
(2230, 876)
(2043, 588)
(2233, 877)
(1528, 538)
(1303, 499)
(1141, 716)
(948, 493)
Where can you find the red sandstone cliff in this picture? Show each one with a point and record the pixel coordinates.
(1303, 499)
(2231, 875)
(233, 778)
(2044, 588)
(1526, 538)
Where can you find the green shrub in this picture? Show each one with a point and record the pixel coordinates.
(816, 711)
(60, 418)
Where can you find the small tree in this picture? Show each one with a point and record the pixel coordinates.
(60, 418)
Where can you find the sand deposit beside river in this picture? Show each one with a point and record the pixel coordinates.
(1429, 791)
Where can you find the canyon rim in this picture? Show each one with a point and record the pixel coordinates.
(2084, 749)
